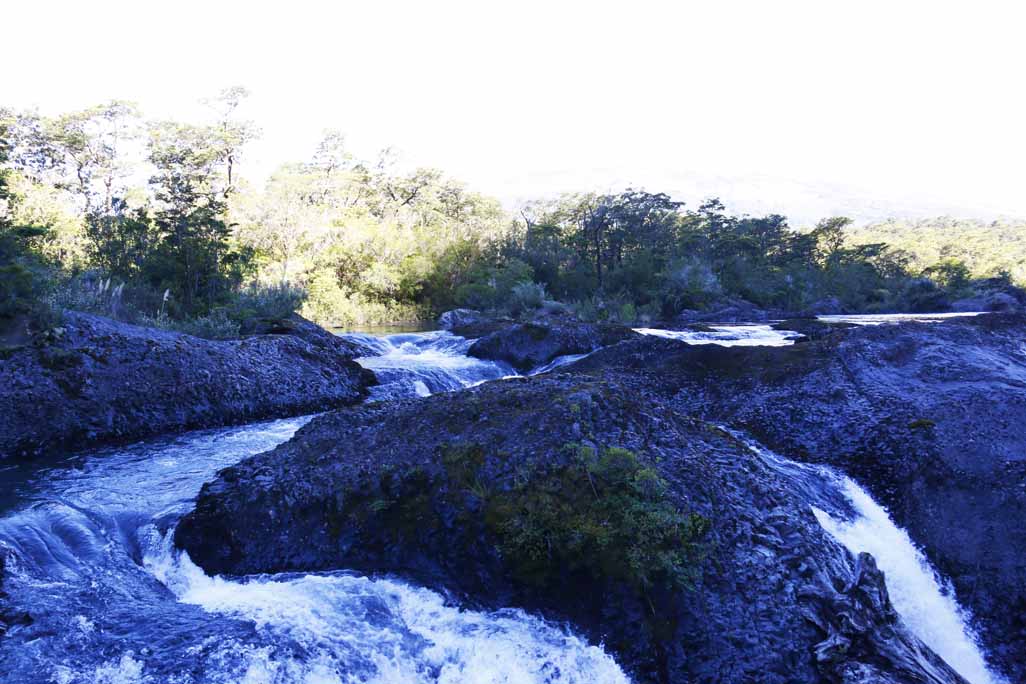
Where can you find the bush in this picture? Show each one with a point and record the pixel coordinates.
(526, 297)
(332, 305)
(690, 284)
(603, 513)
(267, 301)
(476, 296)
(95, 292)
(217, 325)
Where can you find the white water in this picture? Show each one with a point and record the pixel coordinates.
(879, 319)
(114, 603)
(332, 628)
(419, 364)
(746, 335)
(357, 629)
(556, 363)
(925, 603)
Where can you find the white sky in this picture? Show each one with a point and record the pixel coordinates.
(801, 107)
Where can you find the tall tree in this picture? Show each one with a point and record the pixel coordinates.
(231, 133)
(195, 255)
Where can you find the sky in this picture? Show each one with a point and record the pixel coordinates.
(809, 109)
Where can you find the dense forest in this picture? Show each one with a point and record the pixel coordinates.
(984, 247)
(155, 222)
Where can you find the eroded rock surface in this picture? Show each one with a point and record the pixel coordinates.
(931, 418)
(467, 491)
(105, 381)
(529, 345)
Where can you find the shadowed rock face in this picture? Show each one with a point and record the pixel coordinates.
(105, 381)
(420, 488)
(529, 345)
(931, 418)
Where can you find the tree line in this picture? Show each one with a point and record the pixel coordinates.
(156, 222)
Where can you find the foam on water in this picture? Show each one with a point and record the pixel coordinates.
(88, 552)
(880, 319)
(418, 364)
(353, 628)
(924, 601)
(747, 335)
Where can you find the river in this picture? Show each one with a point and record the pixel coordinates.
(87, 539)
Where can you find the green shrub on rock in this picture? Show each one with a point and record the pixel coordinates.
(603, 513)
(596, 513)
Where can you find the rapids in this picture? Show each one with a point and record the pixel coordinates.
(87, 538)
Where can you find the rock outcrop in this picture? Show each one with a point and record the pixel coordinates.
(526, 346)
(660, 535)
(931, 418)
(102, 381)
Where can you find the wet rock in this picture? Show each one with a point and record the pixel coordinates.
(458, 318)
(863, 639)
(529, 345)
(102, 381)
(991, 301)
(928, 417)
(449, 491)
(732, 310)
(812, 328)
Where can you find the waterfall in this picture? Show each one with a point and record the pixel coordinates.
(418, 364)
(923, 600)
(748, 335)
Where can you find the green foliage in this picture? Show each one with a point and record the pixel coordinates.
(371, 243)
(274, 301)
(951, 274)
(601, 513)
(597, 514)
(505, 285)
(217, 325)
(525, 297)
(986, 248)
(24, 277)
(604, 252)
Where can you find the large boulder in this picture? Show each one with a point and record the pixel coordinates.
(307, 331)
(730, 310)
(526, 346)
(663, 537)
(989, 301)
(102, 381)
(929, 417)
(457, 318)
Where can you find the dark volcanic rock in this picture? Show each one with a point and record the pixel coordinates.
(457, 318)
(312, 333)
(812, 328)
(930, 417)
(529, 345)
(731, 310)
(422, 488)
(105, 381)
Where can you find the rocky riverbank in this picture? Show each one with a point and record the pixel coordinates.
(529, 345)
(658, 534)
(99, 381)
(929, 417)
